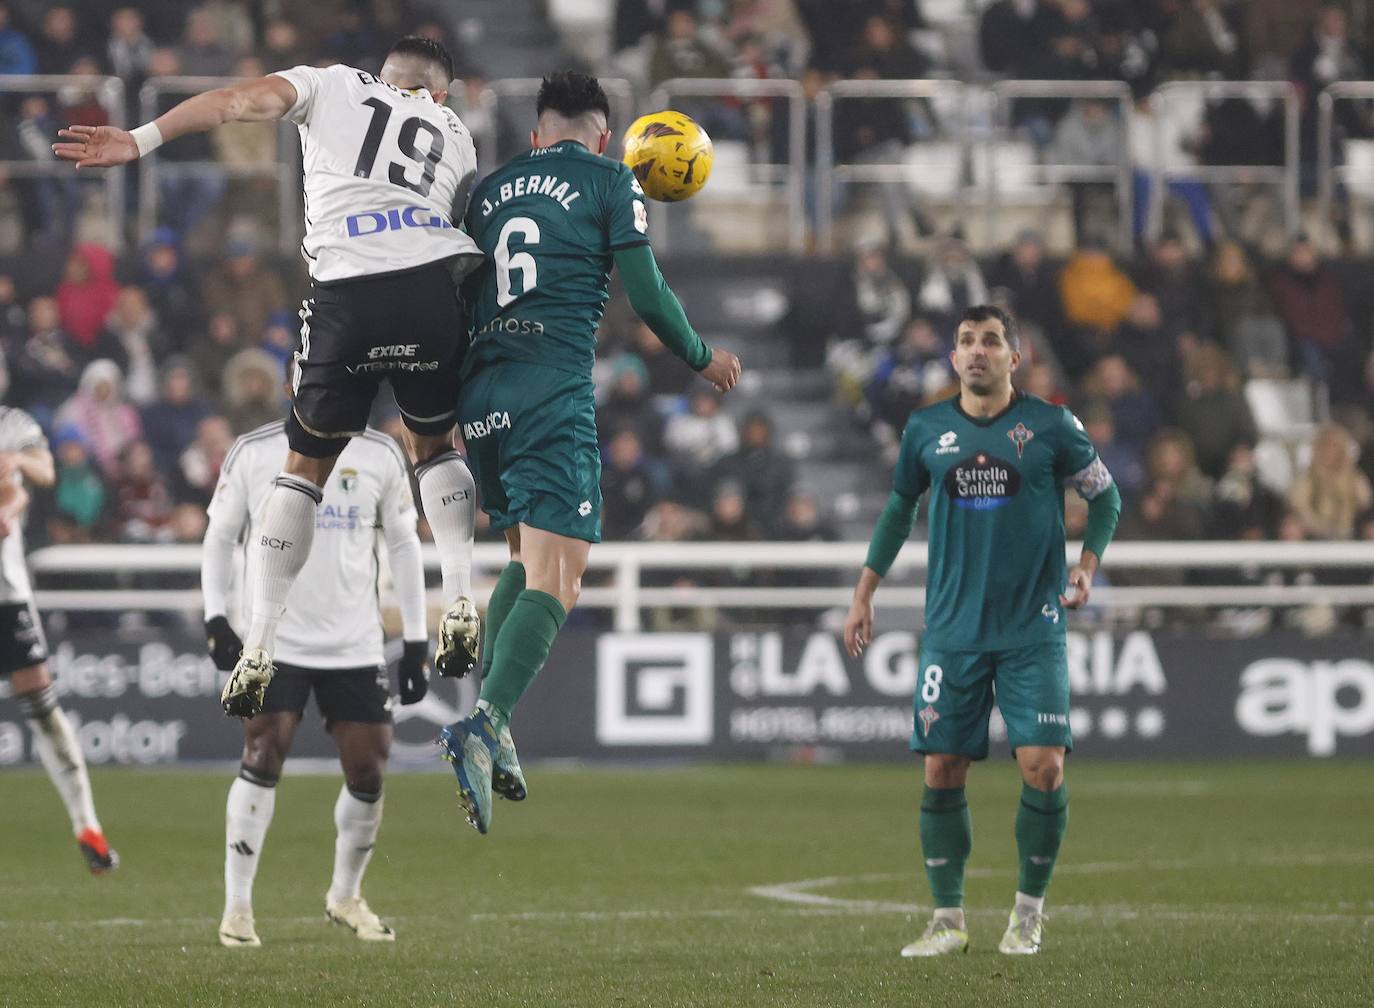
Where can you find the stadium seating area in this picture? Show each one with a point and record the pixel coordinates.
(1223, 365)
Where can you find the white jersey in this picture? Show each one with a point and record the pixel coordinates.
(333, 616)
(18, 432)
(387, 175)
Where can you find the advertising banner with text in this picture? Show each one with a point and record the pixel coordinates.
(753, 695)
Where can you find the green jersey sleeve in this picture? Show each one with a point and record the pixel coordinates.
(626, 216)
(911, 478)
(1076, 461)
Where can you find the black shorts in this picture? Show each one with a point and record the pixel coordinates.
(22, 644)
(408, 328)
(359, 694)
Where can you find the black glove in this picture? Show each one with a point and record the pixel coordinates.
(413, 672)
(224, 645)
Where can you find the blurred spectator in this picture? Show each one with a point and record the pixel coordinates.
(1089, 135)
(170, 422)
(1326, 57)
(188, 524)
(628, 405)
(1095, 293)
(57, 46)
(45, 367)
(730, 519)
(1213, 411)
(701, 437)
(99, 413)
(79, 494)
(1173, 279)
(667, 374)
(1168, 138)
(242, 286)
(129, 48)
(1114, 384)
(13, 318)
(1240, 321)
(1205, 38)
(1178, 501)
(212, 352)
(199, 465)
(634, 20)
(765, 474)
(281, 46)
(1307, 296)
(203, 45)
(234, 25)
(251, 390)
(631, 483)
(683, 52)
(1149, 347)
(87, 293)
(171, 291)
(47, 206)
(1246, 508)
(909, 374)
(881, 307)
(1331, 493)
(953, 283)
(356, 40)
(280, 339)
(671, 521)
(143, 505)
(1039, 379)
(802, 522)
(248, 144)
(1124, 460)
(1029, 276)
(16, 51)
(133, 340)
(1016, 40)
(190, 186)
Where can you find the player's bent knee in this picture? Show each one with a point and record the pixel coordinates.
(364, 781)
(1042, 768)
(943, 770)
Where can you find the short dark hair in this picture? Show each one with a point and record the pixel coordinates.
(572, 94)
(984, 312)
(425, 48)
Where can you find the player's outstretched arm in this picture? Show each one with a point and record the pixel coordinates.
(258, 100)
(654, 301)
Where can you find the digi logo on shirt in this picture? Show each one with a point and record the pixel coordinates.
(982, 483)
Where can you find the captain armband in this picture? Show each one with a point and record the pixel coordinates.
(1092, 480)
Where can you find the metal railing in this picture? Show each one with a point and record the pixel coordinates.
(627, 596)
(109, 93)
(829, 170)
(792, 173)
(1327, 172)
(283, 169)
(1118, 175)
(1285, 176)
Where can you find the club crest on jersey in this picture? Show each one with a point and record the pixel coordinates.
(1020, 434)
(928, 716)
(982, 482)
(348, 480)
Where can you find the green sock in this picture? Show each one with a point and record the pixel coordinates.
(508, 587)
(523, 644)
(946, 839)
(1040, 824)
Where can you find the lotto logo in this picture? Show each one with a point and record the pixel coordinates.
(655, 689)
(272, 542)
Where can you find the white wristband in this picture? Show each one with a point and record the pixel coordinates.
(148, 138)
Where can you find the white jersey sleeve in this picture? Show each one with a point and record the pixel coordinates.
(18, 432)
(387, 175)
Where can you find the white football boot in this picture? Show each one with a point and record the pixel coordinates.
(354, 914)
(236, 930)
(940, 938)
(1025, 930)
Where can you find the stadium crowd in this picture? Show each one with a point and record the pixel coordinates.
(144, 367)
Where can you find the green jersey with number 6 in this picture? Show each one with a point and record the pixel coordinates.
(549, 222)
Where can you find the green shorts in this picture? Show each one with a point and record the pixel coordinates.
(955, 692)
(530, 434)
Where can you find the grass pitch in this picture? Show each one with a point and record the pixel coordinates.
(1215, 885)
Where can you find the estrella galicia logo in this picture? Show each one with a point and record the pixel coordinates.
(982, 483)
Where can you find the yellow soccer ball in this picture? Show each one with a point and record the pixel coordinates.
(670, 155)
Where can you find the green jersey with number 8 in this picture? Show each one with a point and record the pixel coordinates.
(549, 222)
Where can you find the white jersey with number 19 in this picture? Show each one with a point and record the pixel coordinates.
(387, 175)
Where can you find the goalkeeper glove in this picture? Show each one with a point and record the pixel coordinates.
(413, 673)
(223, 644)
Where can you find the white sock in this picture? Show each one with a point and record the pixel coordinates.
(280, 547)
(1024, 902)
(448, 495)
(953, 916)
(357, 820)
(60, 753)
(247, 815)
